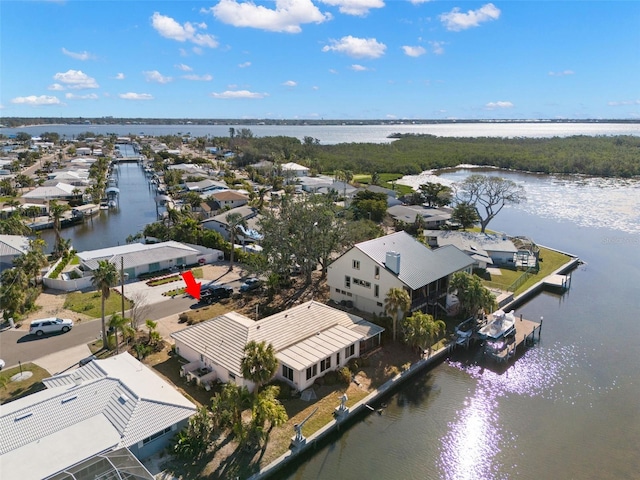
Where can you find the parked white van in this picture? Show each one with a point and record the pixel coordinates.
(50, 325)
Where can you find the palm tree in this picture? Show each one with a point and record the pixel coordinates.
(473, 296)
(267, 408)
(105, 277)
(56, 210)
(259, 363)
(122, 324)
(421, 329)
(32, 261)
(234, 221)
(397, 301)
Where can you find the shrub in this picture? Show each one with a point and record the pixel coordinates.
(331, 378)
(183, 317)
(344, 375)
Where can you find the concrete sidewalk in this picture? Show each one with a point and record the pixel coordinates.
(64, 360)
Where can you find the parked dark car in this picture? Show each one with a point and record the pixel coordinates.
(212, 292)
(250, 284)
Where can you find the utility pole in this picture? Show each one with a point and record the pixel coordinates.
(122, 283)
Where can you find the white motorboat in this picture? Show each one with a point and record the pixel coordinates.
(502, 325)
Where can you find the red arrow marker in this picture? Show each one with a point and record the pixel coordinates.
(193, 287)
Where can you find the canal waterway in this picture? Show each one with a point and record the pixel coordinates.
(136, 208)
(568, 408)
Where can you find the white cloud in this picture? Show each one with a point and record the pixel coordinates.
(413, 51)
(561, 74)
(357, 47)
(333, 71)
(315, 87)
(239, 94)
(187, 32)
(136, 96)
(290, 83)
(78, 56)
(75, 79)
(355, 7)
(418, 2)
(437, 47)
(499, 104)
(287, 16)
(199, 78)
(156, 76)
(73, 96)
(119, 76)
(244, 65)
(37, 100)
(183, 67)
(623, 103)
(56, 87)
(358, 68)
(455, 20)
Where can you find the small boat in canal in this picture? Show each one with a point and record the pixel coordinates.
(502, 325)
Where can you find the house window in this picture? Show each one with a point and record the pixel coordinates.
(362, 283)
(325, 364)
(376, 273)
(287, 372)
(156, 435)
(338, 359)
(347, 281)
(232, 376)
(356, 264)
(376, 291)
(312, 371)
(349, 351)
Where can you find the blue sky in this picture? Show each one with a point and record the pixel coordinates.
(313, 59)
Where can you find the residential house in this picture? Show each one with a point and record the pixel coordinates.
(309, 340)
(392, 195)
(59, 191)
(486, 249)
(294, 170)
(206, 186)
(430, 217)
(12, 247)
(97, 421)
(229, 199)
(249, 214)
(363, 275)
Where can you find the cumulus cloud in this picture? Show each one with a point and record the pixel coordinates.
(119, 76)
(238, 94)
(187, 32)
(199, 78)
(413, 51)
(156, 76)
(287, 16)
(358, 68)
(437, 47)
(244, 65)
(419, 2)
(73, 96)
(183, 67)
(355, 7)
(356, 47)
(136, 96)
(290, 83)
(75, 79)
(499, 104)
(623, 103)
(55, 87)
(77, 55)
(562, 73)
(37, 100)
(455, 20)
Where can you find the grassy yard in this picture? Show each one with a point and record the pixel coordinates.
(90, 303)
(12, 390)
(550, 261)
(386, 181)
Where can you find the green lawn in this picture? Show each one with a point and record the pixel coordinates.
(90, 303)
(11, 390)
(550, 261)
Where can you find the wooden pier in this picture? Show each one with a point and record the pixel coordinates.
(525, 336)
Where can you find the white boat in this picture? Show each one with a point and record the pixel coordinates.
(502, 325)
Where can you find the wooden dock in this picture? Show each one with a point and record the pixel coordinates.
(526, 331)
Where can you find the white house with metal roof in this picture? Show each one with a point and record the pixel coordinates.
(363, 275)
(104, 407)
(12, 247)
(485, 248)
(309, 339)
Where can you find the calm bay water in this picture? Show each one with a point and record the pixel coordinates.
(332, 134)
(568, 408)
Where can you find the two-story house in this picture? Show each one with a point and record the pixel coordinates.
(363, 275)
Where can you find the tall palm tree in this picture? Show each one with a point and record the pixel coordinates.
(397, 301)
(259, 363)
(121, 324)
(234, 221)
(56, 211)
(105, 277)
(421, 329)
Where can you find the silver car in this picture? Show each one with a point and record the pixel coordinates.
(50, 325)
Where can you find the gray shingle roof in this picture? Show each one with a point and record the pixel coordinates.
(419, 265)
